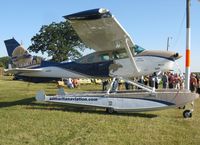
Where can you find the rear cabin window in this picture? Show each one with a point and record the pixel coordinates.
(119, 54)
(90, 59)
(104, 57)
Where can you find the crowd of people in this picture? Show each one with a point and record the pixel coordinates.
(167, 80)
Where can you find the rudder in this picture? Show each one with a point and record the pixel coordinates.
(11, 44)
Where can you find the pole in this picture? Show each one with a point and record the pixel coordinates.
(167, 43)
(187, 56)
(168, 38)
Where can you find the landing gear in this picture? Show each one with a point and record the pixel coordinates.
(110, 110)
(181, 107)
(187, 114)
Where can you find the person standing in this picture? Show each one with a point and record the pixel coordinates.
(171, 80)
(193, 83)
(156, 81)
(198, 84)
(165, 81)
(104, 84)
(127, 85)
(115, 85)
(69, 83)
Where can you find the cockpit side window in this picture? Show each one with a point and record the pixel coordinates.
(123, 54)
(137, 49)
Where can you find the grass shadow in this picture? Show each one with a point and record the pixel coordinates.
(26, 101)
(142, 115)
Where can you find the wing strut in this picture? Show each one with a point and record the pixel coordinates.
(131, 56)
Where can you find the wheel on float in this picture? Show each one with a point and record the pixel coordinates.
(110, 110)
(187, 114)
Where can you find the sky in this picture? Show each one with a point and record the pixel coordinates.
(149, 22)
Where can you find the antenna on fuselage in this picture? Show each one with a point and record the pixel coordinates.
(168, 38)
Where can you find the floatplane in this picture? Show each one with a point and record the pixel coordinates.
(116, 56)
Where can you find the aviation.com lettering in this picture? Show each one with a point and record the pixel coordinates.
(72, 99)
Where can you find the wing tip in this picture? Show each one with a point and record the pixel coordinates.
(90, 14)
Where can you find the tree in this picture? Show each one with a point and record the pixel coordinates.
(4, 61)
(59, 41)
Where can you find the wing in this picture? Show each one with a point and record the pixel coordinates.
(99, 29)
(21, 70)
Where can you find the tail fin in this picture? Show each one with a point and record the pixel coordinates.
(11, 44)
(19, 56)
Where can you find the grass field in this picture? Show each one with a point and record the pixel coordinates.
(25, 121)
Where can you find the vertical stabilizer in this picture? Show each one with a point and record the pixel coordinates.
(11, 44)
(19, 56)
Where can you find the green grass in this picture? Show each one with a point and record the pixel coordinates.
(25, 121)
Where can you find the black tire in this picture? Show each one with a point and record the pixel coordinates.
(187, 114)
(110, 110)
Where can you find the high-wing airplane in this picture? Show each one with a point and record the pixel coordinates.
(116, 55)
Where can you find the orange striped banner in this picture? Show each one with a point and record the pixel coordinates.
(187, 62)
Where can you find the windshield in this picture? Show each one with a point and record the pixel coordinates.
(137, 49)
